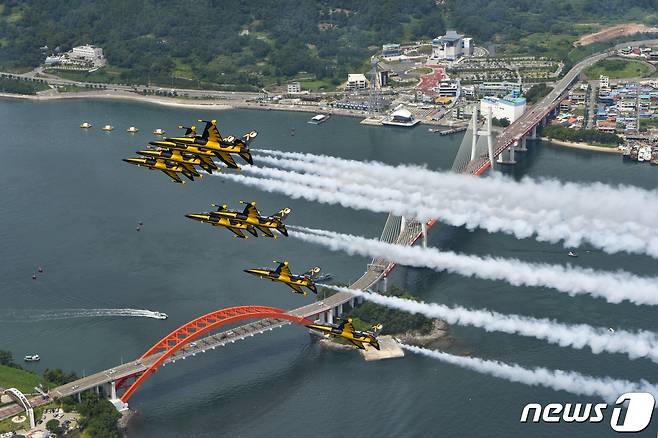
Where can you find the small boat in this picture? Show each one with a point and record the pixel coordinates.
(107, 128)
(159, 131)
(572, 254)
(320, 118)
(34, 276)
(611, 330)
(85, 125)
(160, 315)
(40, 269)
(32, 358)
(132, 129)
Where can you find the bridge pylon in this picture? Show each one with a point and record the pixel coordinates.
(487, 132)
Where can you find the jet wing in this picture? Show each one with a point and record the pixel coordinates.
(251, 211)
(227, 159)
(358, 344)
(265, 230)
(174, 176)
(297, 288)
(284, 269)
(238, 232)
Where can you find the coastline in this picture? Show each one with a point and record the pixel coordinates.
(183, 103)
(582, 146)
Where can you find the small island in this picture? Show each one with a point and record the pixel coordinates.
(405, 327)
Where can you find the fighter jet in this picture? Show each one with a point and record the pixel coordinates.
(222, 147)
(234, 225)
(252, 216)
(346, 330)
(187, 160)
(283, 275)
(169, 167)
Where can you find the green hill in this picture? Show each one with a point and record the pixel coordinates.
(233, 44)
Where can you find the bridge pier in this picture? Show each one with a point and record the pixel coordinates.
(523, 145)
(533, 136)
(507, 156)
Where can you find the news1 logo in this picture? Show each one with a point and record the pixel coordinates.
(631, 412)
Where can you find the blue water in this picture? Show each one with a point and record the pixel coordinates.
(70, 205)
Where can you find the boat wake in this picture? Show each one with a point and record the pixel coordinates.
(48, 315)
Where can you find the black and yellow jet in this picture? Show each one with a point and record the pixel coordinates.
(235, 226)
(188, 160)
(211, 140)
(170, 168)
(252, 216)
(283, 275)
(346, 330)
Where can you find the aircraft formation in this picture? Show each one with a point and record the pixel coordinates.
(183, 155)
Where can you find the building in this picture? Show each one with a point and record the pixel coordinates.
(401, 117)
(509, 107)
(498, 88)
(356, 81)
(87, 53)
(382, 78)
(448, 88)
(451, 46)
(604, 82)
(294, 87)
(391, 50)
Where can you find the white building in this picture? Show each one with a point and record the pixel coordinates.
(604, 82)
(86, 52)
(294, 87)
(508, 107)
(356, 81)
(391, 50)
(451, 46)
(448, 88)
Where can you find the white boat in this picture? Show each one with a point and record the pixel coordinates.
(160, 315)
(132, 129)
(320, 118)
(32, 358)
(159, 131)
(108, 128)
(85, 125)
(572, 254)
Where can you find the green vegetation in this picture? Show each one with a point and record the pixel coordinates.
(394, 321)
(24, 381)
(591, 136)
(504, 122)
(536, 92)
(421, 70)
(648, 123)
(100, 416)
(20, 87)
(215, 44)
(54, 427)
(57, 377)
(619, 69)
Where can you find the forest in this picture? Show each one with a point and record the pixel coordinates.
(230, 44)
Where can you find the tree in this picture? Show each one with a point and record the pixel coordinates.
(54, 427)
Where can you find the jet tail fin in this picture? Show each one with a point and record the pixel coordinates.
(190, 131)
(246, 155)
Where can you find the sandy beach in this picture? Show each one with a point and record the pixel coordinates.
(583, 146)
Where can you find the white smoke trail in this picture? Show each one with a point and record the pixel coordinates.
(578, 336)
(551, 210)
(614, 287)
(47, 315)
(607, 388)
